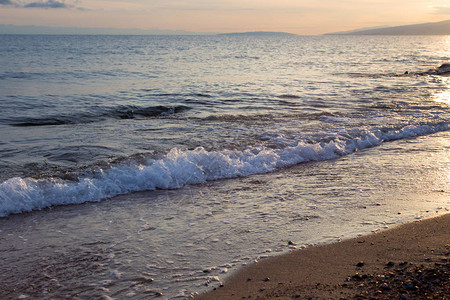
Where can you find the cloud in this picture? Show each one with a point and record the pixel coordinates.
(45, 4)
(442, 10)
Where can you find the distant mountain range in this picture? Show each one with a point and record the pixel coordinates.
(259, 33)
(29, 29)
(437, 28)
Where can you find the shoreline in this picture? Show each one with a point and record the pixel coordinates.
(383, 264)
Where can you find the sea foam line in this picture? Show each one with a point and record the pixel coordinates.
(179, 168)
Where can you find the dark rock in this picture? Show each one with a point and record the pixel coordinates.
(385, 286)
(390, 264)
(360, 264)
(409, 285)
(444, 68)
(357, 277)
(406, 281)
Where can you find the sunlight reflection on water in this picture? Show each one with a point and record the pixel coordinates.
(443, 96)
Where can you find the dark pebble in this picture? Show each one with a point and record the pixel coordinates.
(403, 280)
(360, 264)
(390, 264)
(385, 286)
(357, 277)
(409, 285)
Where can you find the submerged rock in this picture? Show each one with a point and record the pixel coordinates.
(444, 68)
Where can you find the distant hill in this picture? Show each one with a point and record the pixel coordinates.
(13, 29)
(437, 28)
(30, 29)
(259, 33)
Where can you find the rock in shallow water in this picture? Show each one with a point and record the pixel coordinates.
(444, 68)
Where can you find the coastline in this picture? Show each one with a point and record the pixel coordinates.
(157, 174)
(380, 265)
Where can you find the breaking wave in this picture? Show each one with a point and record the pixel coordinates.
(179, 168)
(118, 112)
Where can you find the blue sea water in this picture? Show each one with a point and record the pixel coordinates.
(89, 118)
(82, 111)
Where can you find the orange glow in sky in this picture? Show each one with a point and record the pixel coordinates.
(296, 16)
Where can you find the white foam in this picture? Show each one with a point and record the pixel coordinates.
(179, 168)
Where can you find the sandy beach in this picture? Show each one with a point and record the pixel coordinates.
(410, 261)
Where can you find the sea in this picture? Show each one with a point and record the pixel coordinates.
(148, 167)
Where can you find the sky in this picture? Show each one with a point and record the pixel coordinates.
(306, 17)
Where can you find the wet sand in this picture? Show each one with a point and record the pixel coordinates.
(172, 244)
(410, 261)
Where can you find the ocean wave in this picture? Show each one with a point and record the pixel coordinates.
(19, 75)
(179, 168)
(100, 114)
(289, 96)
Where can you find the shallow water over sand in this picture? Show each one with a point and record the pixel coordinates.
(175, 243)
